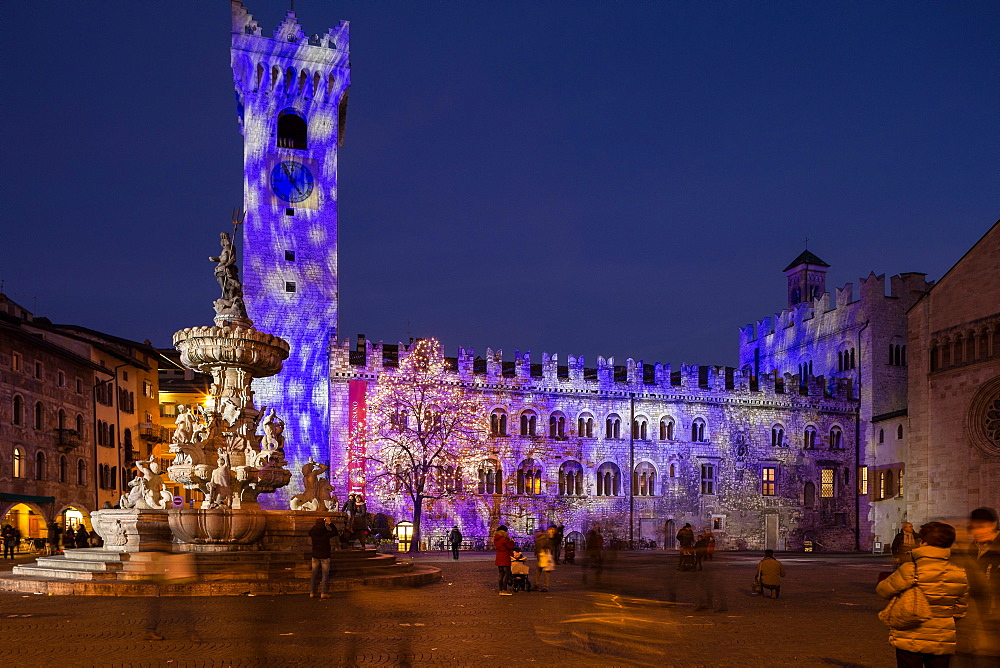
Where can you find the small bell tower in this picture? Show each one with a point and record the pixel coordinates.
(806, 278)
(291, 98)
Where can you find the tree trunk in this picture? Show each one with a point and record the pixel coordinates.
(418, 507)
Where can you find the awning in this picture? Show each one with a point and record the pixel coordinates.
(26, 498)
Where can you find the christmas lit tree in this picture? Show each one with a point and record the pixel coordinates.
(425, 431)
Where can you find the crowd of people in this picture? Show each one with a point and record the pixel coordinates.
(56, 540)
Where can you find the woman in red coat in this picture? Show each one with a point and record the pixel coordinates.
(505, 548)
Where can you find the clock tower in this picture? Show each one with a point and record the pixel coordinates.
(291, 97)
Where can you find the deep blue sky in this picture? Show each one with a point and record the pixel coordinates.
(608, 178)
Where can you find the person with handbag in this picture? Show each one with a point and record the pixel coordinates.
(544, 560)
(928, 593)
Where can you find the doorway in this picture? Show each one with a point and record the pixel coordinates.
(669, 535)
(771, 532)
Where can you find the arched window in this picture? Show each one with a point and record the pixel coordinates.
(644, 479)
(639, 428)
(809, 495)
(498, 422)
(39, 415)
(899, 432)
(62, 468)
(571, 479)
(809, 438)
(613, 427)
(890, 484)
(881, 435)
(61, 419)
(585, 426)
(673, 470)
(852, 358)
(79, 426)
(113, 478)
(529, 423)
(18, 470)
(39, 465)
(291, 131)
(698, 430)
(836, 438)
(529, 477)
(18, 417)
(557, 426)
(81, 472)
(490, 477)
(609, 479)
(777, 436)
(666, 429)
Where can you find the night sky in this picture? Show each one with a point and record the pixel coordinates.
(602, 178)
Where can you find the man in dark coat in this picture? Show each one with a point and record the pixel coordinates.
(979, 631)
(320, 535)
(8, 541)
(904, 542)
(455, 538)
(685, 537)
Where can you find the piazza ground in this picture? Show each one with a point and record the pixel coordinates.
(826, 617)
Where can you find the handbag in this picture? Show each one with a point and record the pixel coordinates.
(908, 609)
(757, 587)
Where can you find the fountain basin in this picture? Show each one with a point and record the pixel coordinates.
(217, 529)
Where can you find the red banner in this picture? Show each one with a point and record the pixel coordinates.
(356, 423)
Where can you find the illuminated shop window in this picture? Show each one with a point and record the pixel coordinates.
(826, 483)
(608, 479)
(768, 480)
(863, 480)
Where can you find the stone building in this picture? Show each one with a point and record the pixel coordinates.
(953, 460)
(46, 438)
(861, 340)
(707, 445)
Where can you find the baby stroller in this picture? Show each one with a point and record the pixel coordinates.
(570, 551)
(519, 572)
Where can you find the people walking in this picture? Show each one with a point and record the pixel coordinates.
(685, 538)
(979, 631)
(904, 542)
(504, 547)
(769, 573)
(53, 539)
(593, 556)
(7, 534)
(711, 545)
(544, 560)
(320, 535)
(932, 642)
(455, 538)
(700, 551)
(556, 536)
(82, 536)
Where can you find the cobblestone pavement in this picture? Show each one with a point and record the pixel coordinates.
(644, 613)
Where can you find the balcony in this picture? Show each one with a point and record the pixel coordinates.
(67, 440)
(154, 433)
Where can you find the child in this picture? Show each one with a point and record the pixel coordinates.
(519, 572)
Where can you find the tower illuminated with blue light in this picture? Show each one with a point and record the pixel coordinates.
(291, 94)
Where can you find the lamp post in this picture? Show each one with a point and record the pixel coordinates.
(631, 470)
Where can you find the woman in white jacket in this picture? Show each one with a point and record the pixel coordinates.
(932, 643)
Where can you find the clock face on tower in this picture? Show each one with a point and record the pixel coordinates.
(292, 181)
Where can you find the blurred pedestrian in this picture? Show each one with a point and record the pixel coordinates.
(455, 538)
(979, 632)
(904, 542)
(95, 539)
(8, 541)
(82, 536)
(700, 551)
(685, 538)
(544, 560)
(593, 555)
(932, 642)
(557, 536)
(504, 547)
(769, 573)
(53, 539)
(320, 535)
